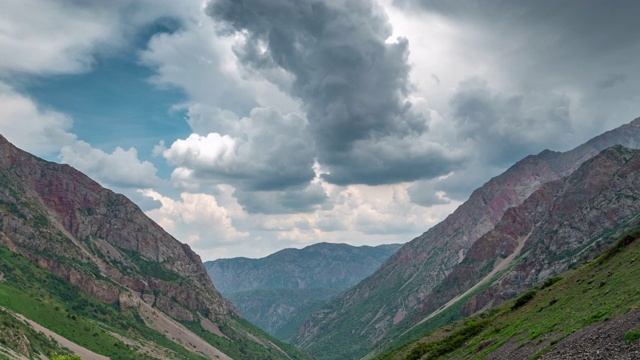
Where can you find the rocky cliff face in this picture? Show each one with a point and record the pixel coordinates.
(561, 223)
(95, 227)
(370, 310)
(101, 242)
(275, 292)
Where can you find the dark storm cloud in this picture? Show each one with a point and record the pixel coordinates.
(352, 83)
(371, 161)
(504, 128)
(560, 72)
(611, 81)
(282, 202)
(554, 41)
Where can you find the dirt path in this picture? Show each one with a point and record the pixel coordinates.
(77, 349)
(178, 333)
(12, 355)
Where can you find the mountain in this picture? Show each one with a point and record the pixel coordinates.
(405, 287)
(591, 312)
(281, 290)
(561, 224)
(89, 265)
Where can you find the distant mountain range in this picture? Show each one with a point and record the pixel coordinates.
(542, 215)
(89, 265)
(281, 290)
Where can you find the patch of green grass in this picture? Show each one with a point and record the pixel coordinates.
(632, 335)
(151, 268)
(12, 331)
(448, 344)
(67, 311)
(238, 346)
(56, 356)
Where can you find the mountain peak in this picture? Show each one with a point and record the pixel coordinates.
(66, 224)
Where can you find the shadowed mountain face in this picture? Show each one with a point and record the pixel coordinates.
(409, 284)
(279, 291)
(57, 221)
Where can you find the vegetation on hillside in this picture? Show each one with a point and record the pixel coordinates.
(66, 310)
(600, 290)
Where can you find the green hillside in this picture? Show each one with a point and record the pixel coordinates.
(537, 321)
(88, 265)
(67, 311)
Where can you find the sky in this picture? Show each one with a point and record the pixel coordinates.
(247, 126)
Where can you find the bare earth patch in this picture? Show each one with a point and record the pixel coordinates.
(178, 333)
(77, 349)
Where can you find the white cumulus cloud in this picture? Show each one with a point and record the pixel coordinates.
(196, 219)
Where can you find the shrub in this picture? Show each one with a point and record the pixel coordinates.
(56, 356)
(550, 281)
(523, 299)
(632, 335)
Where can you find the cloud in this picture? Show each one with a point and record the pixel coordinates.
(359, 211)
(194, 60)
(47, 132)
(585, 53)
(121, 168)
(351, 79)
(265, 151)
(507, 127)
(62, 37)
(35, 40)
(520, 77)
(410, 158)
(30, 127)
(196, 219)
(287, 201)
(494, 129)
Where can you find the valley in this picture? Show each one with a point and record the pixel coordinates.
(279, 291)
(84, 271)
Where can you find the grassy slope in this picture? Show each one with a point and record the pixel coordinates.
(66, 310)
(600, 290)
(12, 335)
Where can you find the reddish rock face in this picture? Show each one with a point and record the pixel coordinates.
(409, 278)
(57, 216)
(562, 222)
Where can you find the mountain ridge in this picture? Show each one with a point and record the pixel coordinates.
(61, 233)
(375, 306)
(275, 291)
(587, 312)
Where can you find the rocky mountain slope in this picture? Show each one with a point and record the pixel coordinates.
(382, 306)
(56, 223)
(588, 313)
(562, 223)
(279, 291)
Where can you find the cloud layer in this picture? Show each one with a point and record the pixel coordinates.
(325, 120)
(352, 81)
